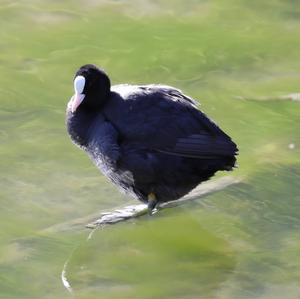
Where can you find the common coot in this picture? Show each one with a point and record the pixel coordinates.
(150, 140)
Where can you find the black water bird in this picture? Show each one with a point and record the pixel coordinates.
(152, 141)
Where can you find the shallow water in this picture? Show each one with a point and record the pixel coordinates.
(237, 58)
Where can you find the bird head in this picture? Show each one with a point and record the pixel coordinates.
(92, 88)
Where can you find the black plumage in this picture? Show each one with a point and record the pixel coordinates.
(148, 140)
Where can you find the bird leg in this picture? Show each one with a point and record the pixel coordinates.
(152, 202)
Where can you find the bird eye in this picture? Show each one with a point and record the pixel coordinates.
(79, 83)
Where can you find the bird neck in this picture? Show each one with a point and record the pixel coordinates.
(78, 125)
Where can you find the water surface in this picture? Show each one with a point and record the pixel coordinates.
(237, 58)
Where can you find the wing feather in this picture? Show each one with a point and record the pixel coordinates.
(162, 118)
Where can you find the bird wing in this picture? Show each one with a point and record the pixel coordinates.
(201, 146)
(163, 119)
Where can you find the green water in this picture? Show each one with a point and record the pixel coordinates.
(236, 57)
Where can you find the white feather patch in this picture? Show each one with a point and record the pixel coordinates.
(79, 83)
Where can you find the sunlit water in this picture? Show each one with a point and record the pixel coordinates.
(237, 58)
